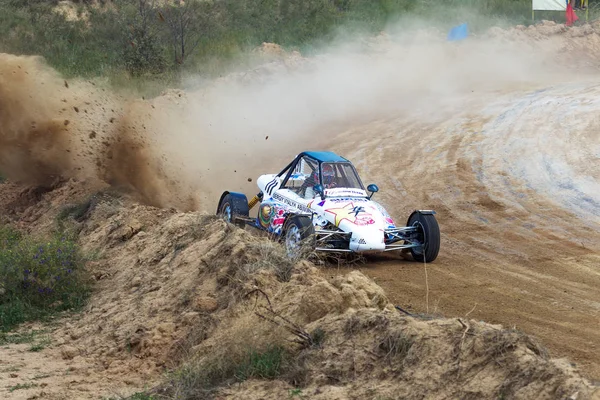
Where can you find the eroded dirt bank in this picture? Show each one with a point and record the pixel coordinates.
(178, 289)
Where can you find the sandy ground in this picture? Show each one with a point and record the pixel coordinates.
(514, 179)
(28, 374)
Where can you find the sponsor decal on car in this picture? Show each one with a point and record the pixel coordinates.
(271, 186)
(352, 213)
(364, 221)
(278, 221)
(265, 214)
(271, 215)
(346, 199)
(345, 192)
(291, 203)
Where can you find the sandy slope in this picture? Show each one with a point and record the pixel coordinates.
(175, 288)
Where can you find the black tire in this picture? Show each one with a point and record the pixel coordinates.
(428, 233)
(231, 207)
(298, 235)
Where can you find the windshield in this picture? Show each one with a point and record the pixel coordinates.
(340, 175)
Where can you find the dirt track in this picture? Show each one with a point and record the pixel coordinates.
(515, 181)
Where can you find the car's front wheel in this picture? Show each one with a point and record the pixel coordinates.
(428, 235)
(298, 236)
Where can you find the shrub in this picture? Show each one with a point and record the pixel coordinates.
(144, 53)
(38, 277)
(261, 365)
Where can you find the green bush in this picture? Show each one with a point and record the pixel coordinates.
(38, 278)
(144, 54)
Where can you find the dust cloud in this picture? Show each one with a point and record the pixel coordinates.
(183, 148)
(33, 139)
(220, 133)
(52, 129)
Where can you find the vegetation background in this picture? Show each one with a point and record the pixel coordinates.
(133, 40)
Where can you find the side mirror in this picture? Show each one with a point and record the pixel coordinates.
(373, 188)
(318, 188)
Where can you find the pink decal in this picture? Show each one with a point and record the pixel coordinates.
(364, 221)
(278, 221)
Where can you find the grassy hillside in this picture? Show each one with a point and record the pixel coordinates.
(138, 37)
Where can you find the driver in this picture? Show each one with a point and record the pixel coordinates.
(328, 176)
(329, 180)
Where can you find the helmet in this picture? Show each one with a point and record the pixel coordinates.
(328, 174)
(328, 170)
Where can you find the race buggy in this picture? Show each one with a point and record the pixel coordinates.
(319, 199)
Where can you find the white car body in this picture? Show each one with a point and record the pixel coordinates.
(348, 209)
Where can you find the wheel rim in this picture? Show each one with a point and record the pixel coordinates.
(226, 211)
(292, 240)
(421, 238)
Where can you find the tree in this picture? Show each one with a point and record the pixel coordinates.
(185, 25)
(143, 52)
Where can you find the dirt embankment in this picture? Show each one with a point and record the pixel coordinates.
(183, 289)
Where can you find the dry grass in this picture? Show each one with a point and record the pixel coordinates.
(248, 348)
(394, 345)
(244, 350)
(182, 349)
(355, 324)
(241, 257)
(497, 344)
(272, 256)
(72, 216)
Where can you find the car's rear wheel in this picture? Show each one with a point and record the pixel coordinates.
(230, 208)
(428, 235)
(298, 236)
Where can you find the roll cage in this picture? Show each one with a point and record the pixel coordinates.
(316, 163)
